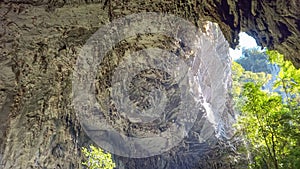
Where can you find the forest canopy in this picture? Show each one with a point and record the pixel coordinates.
(268, 120)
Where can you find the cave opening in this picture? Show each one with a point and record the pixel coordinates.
(245, 42)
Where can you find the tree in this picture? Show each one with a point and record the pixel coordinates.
(288, 78)
(254, 60)
(239, 77)
(270, 123)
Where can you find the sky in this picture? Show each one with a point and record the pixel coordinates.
(246, 41)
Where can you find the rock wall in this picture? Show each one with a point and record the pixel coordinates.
(40, 41)
(7, 90)
(274, 24)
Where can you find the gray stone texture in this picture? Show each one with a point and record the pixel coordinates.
(39, 43)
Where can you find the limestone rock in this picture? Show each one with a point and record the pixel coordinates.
(39, 44)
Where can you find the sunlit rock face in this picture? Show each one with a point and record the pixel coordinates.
(160, 102)
(211, 129)
(40, 41)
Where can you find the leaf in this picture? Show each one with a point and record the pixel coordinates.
(97, 158)
(271, 126)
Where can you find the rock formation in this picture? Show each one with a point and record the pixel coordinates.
(40, 41)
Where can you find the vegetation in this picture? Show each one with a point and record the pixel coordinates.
(97, 158)
(254, 60)
(240, 78)
(268, 122)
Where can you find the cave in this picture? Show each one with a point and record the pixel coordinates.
(40, 44)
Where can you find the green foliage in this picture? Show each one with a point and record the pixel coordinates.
(240, 77)
(288, 78)
(97, 158)
(270, 123)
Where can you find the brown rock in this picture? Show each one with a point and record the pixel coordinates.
(39, 43)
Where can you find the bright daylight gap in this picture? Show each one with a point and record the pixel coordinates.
(246, 42)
